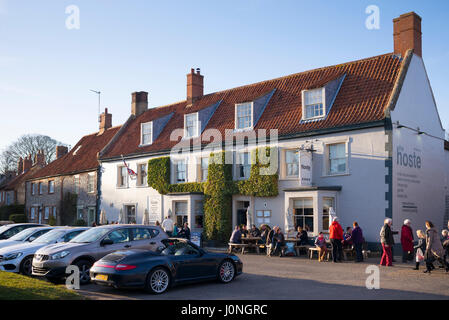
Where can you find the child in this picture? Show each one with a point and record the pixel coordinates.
(420, 248)
(320, 243)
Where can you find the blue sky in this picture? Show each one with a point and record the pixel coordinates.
(46, 70)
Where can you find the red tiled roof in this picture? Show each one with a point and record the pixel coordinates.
(16, 181)
(82, 157)
(362, 98)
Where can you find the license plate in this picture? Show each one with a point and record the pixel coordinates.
(101, 277)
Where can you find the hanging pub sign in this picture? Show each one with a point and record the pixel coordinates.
(305, 168)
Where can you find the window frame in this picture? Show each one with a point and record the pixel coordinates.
(285, 164)
(175, 171)
(40, 188)
(238, 165)
(51, 183)
(236, 118)
(139, 175)
(304, 106)
(76, 184)
(142, 134)
(203, 178)
(120, 177)
(90, 183)
(327, 161)
(185, 136)
(303, 216)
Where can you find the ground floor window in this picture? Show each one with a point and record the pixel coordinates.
(181, 213)
(327, 204)
(303, 213)
(130, 214)
(263, 217)
(47, 213)
(32, 212)
(80, 214)
(199, 214)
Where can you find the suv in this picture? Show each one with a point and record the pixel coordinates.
(92, 245)
(19, 257)
(8, 230)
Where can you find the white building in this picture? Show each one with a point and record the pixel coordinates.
(362, 137)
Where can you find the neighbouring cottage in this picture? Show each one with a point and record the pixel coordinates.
(67, 187)
(363, 138)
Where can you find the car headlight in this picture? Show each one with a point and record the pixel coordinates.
(59, 255)
(12, 256)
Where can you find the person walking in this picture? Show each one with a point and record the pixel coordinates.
(407, 241)
(434, 249)
(336, 237)
(420, 248)
(320, 243)
(357, 240)
(387, 241)
(167, 225)
(445, 243)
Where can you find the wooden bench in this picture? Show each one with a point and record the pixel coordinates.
(312, 250)
(241, 246)
(301, 247)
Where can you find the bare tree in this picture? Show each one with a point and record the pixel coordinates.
(27, 145)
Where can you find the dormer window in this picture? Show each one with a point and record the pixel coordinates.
(244, 116)
(313, 104)
(146, 136)
(191, 126)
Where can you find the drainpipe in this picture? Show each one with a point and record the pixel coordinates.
(58, 216)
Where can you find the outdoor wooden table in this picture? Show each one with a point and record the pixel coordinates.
(252, 242)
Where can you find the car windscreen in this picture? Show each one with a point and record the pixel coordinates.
(90, 235)
(50, 237)
(4, 228)
(22, 235)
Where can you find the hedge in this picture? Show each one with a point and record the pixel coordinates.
(6, 211)
(18, 218)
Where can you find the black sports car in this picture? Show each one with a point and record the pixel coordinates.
(179, 261)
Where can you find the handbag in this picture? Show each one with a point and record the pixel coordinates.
(419, 255)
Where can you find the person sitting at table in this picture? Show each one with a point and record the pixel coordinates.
(244, 231)
(278, 242)
(236, 236)
(255, 232)
(302, 236)
(347, 238)
(265, 229)
(320, 243)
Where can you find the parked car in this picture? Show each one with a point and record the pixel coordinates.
(92, 245)
(18, 258)
(178, 261)
(25, 236)
(9, 230)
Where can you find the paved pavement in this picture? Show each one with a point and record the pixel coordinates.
(300, 278)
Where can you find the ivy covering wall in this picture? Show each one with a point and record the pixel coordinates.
(219, 187)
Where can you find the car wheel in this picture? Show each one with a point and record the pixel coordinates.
(84, 267)
(25, 266)
(226, 271)
(158, 281)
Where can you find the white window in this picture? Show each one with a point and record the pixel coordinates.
(90, 183)
(181, 213)
(51, 186)
(291, 163)
(337, 163)
(76, 182)
(142, 174)
(313, 103)
(243, 165)
(191, 125)
(244, 115)
(181, 171)
(263, 217)
(204, 168)
(303, 213)
(146, 130)
(47, 212)
(122, 176)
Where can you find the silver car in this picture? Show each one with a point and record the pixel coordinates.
(92, 245)
(25, 236)
(18, 258)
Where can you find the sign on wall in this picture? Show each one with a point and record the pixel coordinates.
(154, 208)
(305, 168)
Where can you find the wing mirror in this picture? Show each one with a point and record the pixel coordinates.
(31, 239)
(106, 242)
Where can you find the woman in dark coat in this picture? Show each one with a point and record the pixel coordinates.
(407, 241)
(434, 249)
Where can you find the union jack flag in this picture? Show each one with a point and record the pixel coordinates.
(131, 172)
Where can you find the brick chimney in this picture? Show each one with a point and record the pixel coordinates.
(407, 34)
(139, 103)
(105, 120)
(20, 166)
(27, 163)
(61, 151)
(195, 87)
(39, 158)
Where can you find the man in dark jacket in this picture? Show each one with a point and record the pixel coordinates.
(302, 236)
(185, 232)
(357, 240)
(387, 241)
(255, 232)
(236, 236)
(269, 244)
(336, 237)
(278, 242)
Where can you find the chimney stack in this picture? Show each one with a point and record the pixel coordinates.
(195, 87)
(407, 34)
(105, 120)
(61, 151)
(20, 166)
(39, 158)
(139, 103)
(27, 163)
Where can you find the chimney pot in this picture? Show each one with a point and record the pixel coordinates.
(27, 163)
(139, 102)
(195, 87)
(407, 34)
(61, 151)
(105, 120)
(20, 166)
